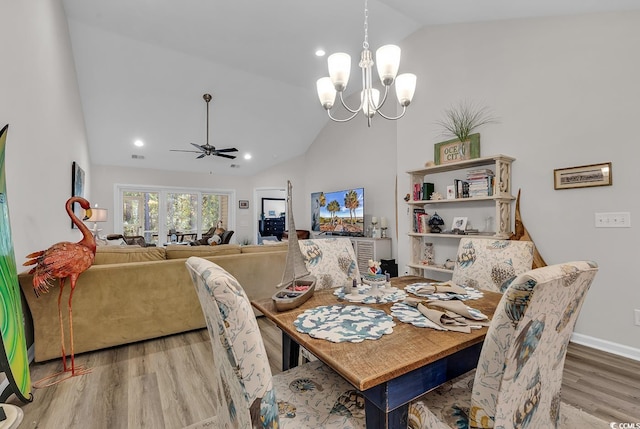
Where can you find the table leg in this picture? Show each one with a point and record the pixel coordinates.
(290, 352)
(394, 419)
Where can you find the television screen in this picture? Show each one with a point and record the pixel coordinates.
(340, 212)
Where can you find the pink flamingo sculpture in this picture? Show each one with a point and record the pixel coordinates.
(64, 260)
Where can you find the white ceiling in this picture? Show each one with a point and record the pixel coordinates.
(143, 66)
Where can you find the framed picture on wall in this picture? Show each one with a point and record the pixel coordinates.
(243, 204)
(77, 190)
(584, 176)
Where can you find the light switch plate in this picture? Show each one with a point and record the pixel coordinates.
(613, 220)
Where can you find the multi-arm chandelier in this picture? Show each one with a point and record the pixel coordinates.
(388, 59)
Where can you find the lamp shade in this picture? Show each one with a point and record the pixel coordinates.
(98, 215)
(405, 88)
(388, 62)
(339, 69)
(326, 92)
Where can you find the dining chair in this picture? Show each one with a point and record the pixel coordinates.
(519, 374)
(331, 260)
(491, 264)
(246, 394)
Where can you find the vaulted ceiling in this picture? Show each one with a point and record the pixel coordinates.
(143, 67)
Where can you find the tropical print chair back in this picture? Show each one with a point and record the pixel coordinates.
(491, 264)
(517, 382)
(243, 395)
(331, 260)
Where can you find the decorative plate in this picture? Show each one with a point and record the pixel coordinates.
(415, 287)
(339, 323)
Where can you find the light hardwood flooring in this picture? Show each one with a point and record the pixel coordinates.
(164, 384)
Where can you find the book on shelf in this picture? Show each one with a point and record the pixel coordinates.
(427, 190)
(417, 214)
(417, 192)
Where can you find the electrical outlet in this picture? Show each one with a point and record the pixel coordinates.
(613, 220)
(637, 314)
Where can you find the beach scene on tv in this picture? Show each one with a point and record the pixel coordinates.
(340, 212)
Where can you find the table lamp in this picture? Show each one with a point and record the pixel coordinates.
(97, 215)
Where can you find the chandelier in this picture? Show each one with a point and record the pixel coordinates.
(388, 62)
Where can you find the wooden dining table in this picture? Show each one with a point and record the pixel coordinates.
(394, 369)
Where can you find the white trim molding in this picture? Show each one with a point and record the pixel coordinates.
(607, 346)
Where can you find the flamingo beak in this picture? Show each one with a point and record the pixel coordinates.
(87, 214)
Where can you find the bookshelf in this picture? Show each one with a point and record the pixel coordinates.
(498, 205)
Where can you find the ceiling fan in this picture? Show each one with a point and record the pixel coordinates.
(207, 149)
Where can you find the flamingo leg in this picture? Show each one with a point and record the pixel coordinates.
(64, 354)
(44, 382)
(73, 362)
(80, 370)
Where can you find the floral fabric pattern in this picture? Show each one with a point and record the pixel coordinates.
(491, 264)
(246, 395)
(519, 374)
(331, 260)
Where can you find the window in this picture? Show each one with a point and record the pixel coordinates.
(154, 212)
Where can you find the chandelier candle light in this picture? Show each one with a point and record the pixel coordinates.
(388, 62)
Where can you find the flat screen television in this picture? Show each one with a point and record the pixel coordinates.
(339, 212)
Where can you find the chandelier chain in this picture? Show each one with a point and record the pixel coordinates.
(365, 44)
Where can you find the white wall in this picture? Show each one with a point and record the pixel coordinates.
(41, 104)
(566, 91)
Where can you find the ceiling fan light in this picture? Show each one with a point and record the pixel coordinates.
(326, 92)
(339, 70)
(388, 62)
(405, 88)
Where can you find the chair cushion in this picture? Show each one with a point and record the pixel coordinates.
(491, 264)
(331, 260)
(335, 403)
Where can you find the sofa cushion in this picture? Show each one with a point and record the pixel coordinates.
(178, 251)
(124, 254)
(259, 248)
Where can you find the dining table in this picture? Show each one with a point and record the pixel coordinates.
(394, 369)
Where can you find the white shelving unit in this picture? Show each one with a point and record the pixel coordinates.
(501, 200)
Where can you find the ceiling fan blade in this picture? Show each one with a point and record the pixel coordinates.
(198, 146)
(225, 156)
(231, 149)
(180, 150)
(201, 156)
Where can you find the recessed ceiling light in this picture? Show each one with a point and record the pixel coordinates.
(320, 53)
(138, 143)
(247, 156)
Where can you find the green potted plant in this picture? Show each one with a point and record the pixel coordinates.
(463, 119)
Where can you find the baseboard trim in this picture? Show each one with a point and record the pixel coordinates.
(606, 346)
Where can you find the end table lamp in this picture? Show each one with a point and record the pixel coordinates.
(97, 215)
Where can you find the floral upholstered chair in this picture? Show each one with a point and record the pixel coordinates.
(331, 260)
(491, 264)
(246, 395)
(519, 374)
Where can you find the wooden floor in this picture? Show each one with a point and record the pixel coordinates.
(164, 384)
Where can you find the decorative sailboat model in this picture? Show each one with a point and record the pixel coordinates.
(297, 284)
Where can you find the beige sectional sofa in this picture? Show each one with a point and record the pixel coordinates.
(134, 293)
